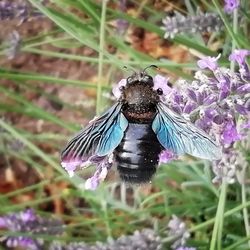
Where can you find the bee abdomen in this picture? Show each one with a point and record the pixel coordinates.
(137, 155)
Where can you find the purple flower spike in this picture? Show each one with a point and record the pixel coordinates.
(25, 222)
(239, 56)
(231, 5)
(208, 62)
(178, 228)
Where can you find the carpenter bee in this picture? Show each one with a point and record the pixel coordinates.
(136, 129)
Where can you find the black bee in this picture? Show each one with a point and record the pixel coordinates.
(136, 129)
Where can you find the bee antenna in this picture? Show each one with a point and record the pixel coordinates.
(148, 67)
(128, 69)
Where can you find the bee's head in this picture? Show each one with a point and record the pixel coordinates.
(141, 78)
(139, 89)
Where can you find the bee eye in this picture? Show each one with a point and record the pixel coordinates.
(159, 91)
(121, 88)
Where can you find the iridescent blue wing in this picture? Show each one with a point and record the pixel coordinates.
(99, 138)
(181, 136)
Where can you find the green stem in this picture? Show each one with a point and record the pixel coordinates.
(76, 181)
(106, 219)
(101, 50)
(238, 243)
(235, 27)
(219, 218)
(226, 23)
(209, 222)
(244, 200)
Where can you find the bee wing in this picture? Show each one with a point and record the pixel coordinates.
(99, 138)
(181, 136)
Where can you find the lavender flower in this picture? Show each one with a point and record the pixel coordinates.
(22, 11)
(16, 145)
(143, 240)
(231, 5)
(239, 56)
(28, 222)
(103, 164)
(230, 166)
(178, 228)
(122, 24)
(218, 104)
(99, 175)
(208, 62)
(201, 22)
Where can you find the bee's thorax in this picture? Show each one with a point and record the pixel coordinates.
(139, 102)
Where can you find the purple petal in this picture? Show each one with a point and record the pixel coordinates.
(2, 222)
(241, 109)
(245, 125)
(95, 159)
(92, 183)
(223, 95)
(189, 107)
(28, 215)
(245, 72)
(161, 82)
(224, 84)
(191, 94)
(177, 108)
(117, 88)
(239, 56)
(12, 242)
(28, 243)
(210, 99)
(185, 248)
(231, 5)
(71, 165)
(244, 89)
(200, 97)
(166, 156)
(230, 133)
(208, 62)
(218, 119)
(210, 113)
(178, 99)
(204, 123)
(247, 105)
